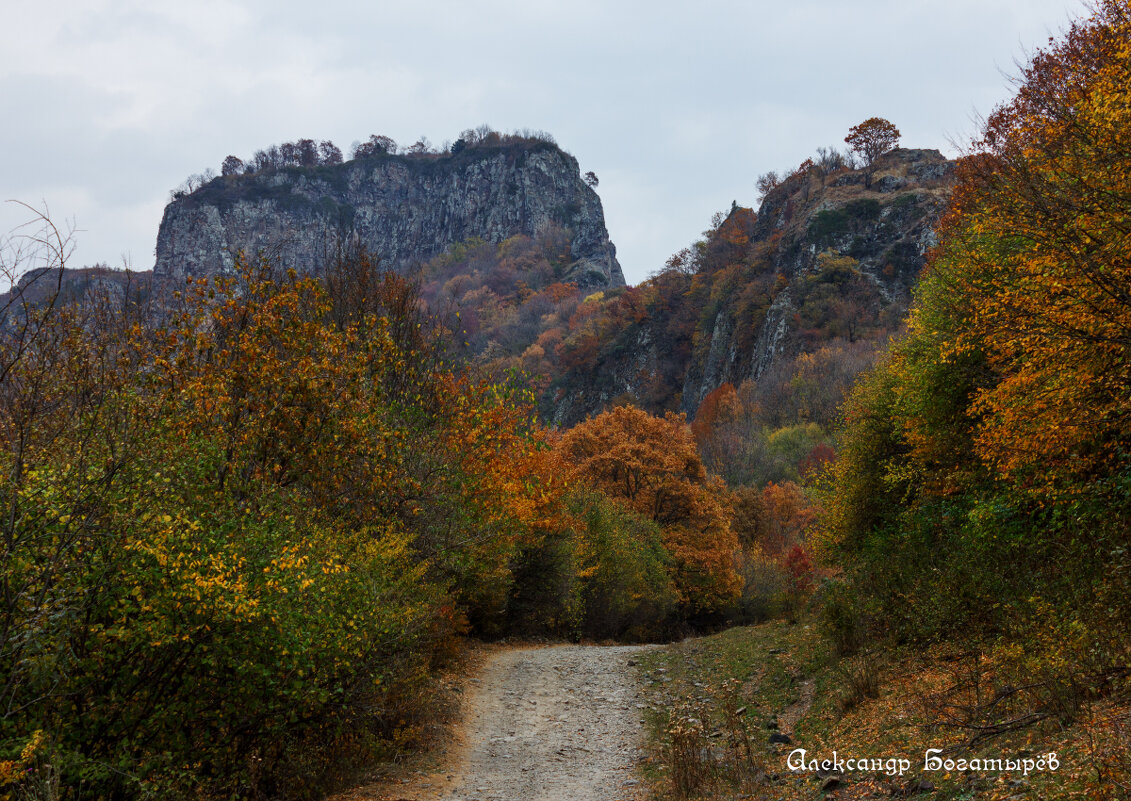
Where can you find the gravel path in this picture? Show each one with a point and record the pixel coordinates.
(549, 724)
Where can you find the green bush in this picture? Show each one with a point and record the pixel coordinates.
(545, 597)
(626, 584)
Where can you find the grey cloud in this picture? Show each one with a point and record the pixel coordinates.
(677, 107)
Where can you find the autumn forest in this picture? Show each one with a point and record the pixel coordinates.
(249, 518)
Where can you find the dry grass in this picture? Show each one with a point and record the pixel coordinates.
(690, 765)
(1108, 729)
(711, 745)
(892, 702)
(861, 681)
(441, 748)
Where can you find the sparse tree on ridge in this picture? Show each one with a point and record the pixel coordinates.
(766, 183)
(375, 144)
(306, 152)
(288, 154)
(870, 140)
(232, 165)
(420, 147)
(331, 153)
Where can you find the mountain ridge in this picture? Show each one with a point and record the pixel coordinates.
(403, 208)
(824, 267)
(830, 256)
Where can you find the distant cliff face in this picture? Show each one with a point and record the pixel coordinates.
(882, 233)
(404, 209)
(826, 259)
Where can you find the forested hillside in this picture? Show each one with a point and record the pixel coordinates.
(756, 331)
(995, 434)
(973, 529)
(254, 503)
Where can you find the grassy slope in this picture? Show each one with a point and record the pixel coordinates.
(786, 675)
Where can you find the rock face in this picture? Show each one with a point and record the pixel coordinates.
(405, 209)
(83, 286)
(767, 286)
(886, 229)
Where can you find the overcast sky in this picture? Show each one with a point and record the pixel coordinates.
(677, 107)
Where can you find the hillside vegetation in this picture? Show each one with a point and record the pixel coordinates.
(996, 433)
(823, 270)
(973, 529)
(244, 529)
(248, 516)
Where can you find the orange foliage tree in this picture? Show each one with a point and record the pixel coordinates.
(720, 405)
(1038, 248)
(650, 464)
(870, 140)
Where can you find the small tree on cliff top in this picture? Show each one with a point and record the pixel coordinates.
(870, 140)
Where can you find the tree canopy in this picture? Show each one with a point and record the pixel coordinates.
(651, 465)
(872, 138)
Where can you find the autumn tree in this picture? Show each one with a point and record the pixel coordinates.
(870, 140)
(720, 405)
(787, 517)
(329, 153)
(420, 147)
(1038, 245)
(375, 145)
(766, 183)
(996, 432)
(288, 154)
(683, 262)
(264, 159)
(773, 519)
(306, 152)
(650, 464)
(232, 165)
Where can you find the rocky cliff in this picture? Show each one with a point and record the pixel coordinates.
(865, 243)
(405, 209)
(829, 257)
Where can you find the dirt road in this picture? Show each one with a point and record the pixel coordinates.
(561, 723)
